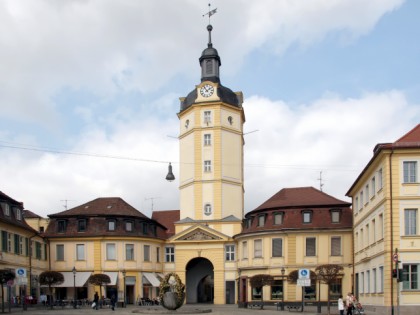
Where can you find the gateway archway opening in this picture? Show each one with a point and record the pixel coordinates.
(200, 281)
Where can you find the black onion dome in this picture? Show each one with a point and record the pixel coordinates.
(225, 94)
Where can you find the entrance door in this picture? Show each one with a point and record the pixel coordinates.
(200, 281)
(230, 292)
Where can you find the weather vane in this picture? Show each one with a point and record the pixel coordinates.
(210, 13)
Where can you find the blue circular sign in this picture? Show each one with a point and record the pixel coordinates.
(21, 272)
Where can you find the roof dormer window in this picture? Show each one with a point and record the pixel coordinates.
(18, 213)
(81, 225)
(6, 208)
(307, 216)
(61, 226)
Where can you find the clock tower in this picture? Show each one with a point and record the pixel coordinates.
(211, 146)
(211, 187)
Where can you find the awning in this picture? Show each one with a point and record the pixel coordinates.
(70, 280)
(113, 275)
(151, 279)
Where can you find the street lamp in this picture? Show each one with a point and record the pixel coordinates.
(170, 177)
(283, 271)
(74, 286)
(124, 273)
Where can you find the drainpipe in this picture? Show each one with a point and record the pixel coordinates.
(24, 306)
(392, 229)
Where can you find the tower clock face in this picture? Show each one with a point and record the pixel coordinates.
(207, 90)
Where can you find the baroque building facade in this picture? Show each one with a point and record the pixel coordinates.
(386, 201)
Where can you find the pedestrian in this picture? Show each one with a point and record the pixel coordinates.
(113, 302)
(349, 303)
(340, 304)
(96, 300)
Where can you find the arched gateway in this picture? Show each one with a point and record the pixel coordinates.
(199, 281)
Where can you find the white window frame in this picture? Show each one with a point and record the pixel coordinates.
(410, 222)
(169, 254)
(258, 250)
(207, 166)
(207, 139)
(129, 251)
(207, 116)
(409, 172)
(279, 215)
(277, 245)
(111, 251)
(6, 208)
(80, 252)
(230, 252)
(146, 253)
(308, 252)
(336, 245)
(208, 209)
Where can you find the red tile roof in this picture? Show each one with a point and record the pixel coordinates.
(411, 140)
(11, 219)
(167, 218)
(109, 206)
(27, 214)
(300, 197)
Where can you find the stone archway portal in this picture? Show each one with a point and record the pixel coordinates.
(199, 281)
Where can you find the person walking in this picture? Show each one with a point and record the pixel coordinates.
(113, 302)
(340, 304)
(96, 300)
(349, 303)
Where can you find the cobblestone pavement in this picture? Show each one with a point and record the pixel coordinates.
(186, 309)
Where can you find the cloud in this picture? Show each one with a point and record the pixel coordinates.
(294, 143)
(108, 46)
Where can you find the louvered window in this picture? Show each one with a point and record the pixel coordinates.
(336, 246)
(16, 244)
(277, 247)
(310, 246)
(258, 248)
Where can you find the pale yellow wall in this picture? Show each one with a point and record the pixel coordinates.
(187, 203)
(187, 157)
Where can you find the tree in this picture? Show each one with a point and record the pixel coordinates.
(259, 281)
(329, 274)
(51, 278)
(100, 279)
(5, 276)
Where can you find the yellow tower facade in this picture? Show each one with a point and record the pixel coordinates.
(211, 186)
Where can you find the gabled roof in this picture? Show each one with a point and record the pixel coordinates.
(108, 206)
(411, 140)
(167, 219)
(27, 214)
(300, 197)
(11, 219)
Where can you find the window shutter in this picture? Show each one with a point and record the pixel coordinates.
(27, 246)
(4, 241)
(277, 247)
(16, 239)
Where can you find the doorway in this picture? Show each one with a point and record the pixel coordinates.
(200, 281)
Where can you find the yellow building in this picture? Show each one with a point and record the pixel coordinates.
(297, 228)
(386, 201)
(23, 250)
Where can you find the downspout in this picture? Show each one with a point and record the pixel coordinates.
(392, 228)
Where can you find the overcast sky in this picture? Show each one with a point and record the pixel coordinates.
(323, 81)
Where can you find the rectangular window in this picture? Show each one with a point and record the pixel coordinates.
(80, 252)
(129, 251)
(256, 293)
(277, 290)
(111, 253)
(145, 228)
(157, 254)
(230, 252)
(336, 246)
(59, 252)
(9, 242)
(81, 225)
(16, 242)
(111, 225)
(146, 252)
(4, 241)
(335, 216)
(410, 221)
(61, 226)
(278, 218)
(356, 204)
(18, 214)
(335, 289)
(207, 166)
(38, 250)
(380, 181)
(207, 117)
(367, 193)
(244, 250)
(373, 230)
(207, 139)
(310, 246)
(411, 277)
(361, 200)
(277, 247)
(261, 220)
(362, 282)
(368, 281)
(6, 208)
(129, 226)
(410, 171)
(374, 280)
(380, 226)
(367, 235)
(21, 245)
(257, 248)
(307, 217)
(381, 279)
(169, 254)
(373, 186)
